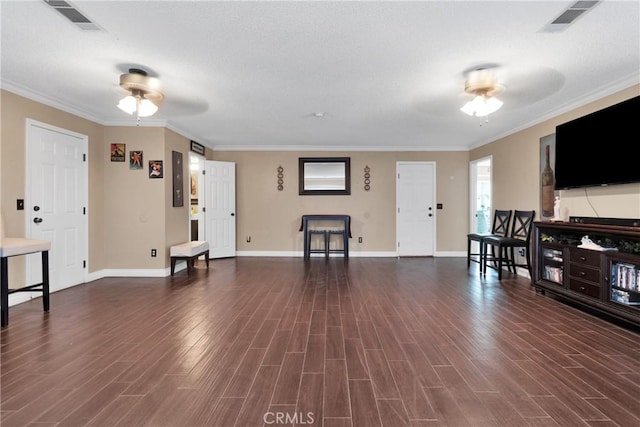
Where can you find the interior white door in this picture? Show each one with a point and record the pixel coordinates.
(415, 214)
(56, 202)
(220, 208)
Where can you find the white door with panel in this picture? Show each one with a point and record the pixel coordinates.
(415, 208)
(56, 202)
(220, 208)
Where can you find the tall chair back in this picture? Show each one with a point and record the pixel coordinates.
(501, 221)
(522, 225)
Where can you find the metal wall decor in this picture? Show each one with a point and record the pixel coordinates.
(367, 178)
(280, 178)
(178, 186)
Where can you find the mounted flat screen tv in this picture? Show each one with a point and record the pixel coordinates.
(601, 148)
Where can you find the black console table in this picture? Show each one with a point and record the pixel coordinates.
(345, 232)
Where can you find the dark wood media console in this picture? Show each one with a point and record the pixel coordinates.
(606, 281)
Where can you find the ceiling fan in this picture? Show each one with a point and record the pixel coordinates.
(483, 85)
(145, 93)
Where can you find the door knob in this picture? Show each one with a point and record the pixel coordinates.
(37, 220)
(233, 214)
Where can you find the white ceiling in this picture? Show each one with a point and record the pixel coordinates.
(386, 75)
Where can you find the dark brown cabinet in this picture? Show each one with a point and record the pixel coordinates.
(607, 281)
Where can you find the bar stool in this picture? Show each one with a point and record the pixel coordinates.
(504, 247)
(345, 242)
(499, 227)
(325, 249)
(14, 246)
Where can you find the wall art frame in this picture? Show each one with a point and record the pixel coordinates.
(178, 180)
(156, 169)
(135, 159)
(118, 152)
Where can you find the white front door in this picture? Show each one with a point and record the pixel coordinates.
(220, 208)
(415, 208)
(56, 202)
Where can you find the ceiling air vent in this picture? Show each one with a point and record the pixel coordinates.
(70, 12)
(570, 15)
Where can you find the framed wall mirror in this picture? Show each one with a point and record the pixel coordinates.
(324, 175)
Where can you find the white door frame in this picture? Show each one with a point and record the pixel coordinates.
(83, 193)
(432, 249)
(473, 190)
(199, 216)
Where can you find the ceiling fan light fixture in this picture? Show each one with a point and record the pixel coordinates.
(144, 93)
(481, 106)
(483, 85)
(146, 108)
(128, 104)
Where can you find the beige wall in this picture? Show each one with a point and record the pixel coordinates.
(139, 212)
(177, 218)
(272, 217)
(516, 166)
(134, 203)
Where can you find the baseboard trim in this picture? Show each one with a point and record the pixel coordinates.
(300, 254)
(451, 254)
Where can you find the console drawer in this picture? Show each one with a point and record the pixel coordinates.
(587, 289)
(585, 273)
(585, 257)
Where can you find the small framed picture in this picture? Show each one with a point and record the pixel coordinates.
(197, 148)
(117, 152)
(155, 169)
(135, 159)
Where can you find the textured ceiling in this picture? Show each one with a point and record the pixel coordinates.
(385, 75)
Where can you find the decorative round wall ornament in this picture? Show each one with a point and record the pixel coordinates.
(367, 178)
(280, 178)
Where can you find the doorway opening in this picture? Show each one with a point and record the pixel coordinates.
(196, 199)
(481, 197)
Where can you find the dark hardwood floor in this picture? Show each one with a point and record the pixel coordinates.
(277, 341)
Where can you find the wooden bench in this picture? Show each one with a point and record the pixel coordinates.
(189, 252)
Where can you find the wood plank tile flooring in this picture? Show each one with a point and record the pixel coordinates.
(277, 341)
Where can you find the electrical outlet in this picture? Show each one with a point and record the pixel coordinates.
(521, 251)
(154, 253)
